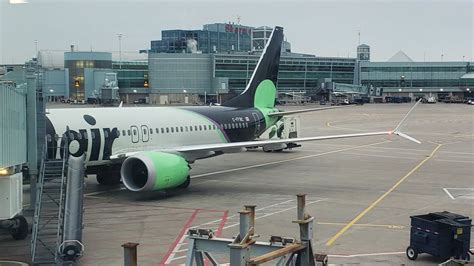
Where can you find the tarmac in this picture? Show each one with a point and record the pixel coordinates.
(361, 191)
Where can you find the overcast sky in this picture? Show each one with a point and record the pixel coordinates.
(422, 29)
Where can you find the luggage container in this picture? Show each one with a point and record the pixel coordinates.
(441, 234)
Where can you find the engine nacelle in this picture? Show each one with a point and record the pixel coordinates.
(154, 171)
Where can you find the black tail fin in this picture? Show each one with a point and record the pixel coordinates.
(266, 69)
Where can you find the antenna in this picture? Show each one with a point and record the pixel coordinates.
(359, 35)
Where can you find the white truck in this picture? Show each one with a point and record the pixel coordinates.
(286, 128)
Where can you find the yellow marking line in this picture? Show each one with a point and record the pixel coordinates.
(364, 212)
(389, 226)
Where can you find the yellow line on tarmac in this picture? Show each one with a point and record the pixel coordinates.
(364, 212)
(389, 226)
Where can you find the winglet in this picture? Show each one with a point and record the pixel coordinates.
(403, 135)
(397, 131)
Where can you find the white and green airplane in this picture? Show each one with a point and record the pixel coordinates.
(151, 148)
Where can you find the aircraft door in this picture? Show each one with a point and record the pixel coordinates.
(257, 123)
(135, 134)
(145, 136)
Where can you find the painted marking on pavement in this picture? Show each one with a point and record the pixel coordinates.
(177, 249)
(449, 194)
(180, 236)
(371, 254)
(275, 212)
(389, 226)
(364, 212)
(465, 193)
(367, 254)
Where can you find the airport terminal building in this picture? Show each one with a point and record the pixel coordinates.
(216, 62)
(401, 76)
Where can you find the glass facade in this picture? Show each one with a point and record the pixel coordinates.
(296, 72)
(427, 75)
(214, 38)
(131, 74)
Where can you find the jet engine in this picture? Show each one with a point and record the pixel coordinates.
(148, 171)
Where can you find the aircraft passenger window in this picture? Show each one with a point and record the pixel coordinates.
(186, 128)
(134, 132)
(182, 130)
(156, 129)
(167, 130)
(151, 130)
(128, 131)
(123, 132)
(232, 125)
(246, 124)
(195, 128)
(144, 131)
(209, 127)
(172, 129)
(162, 130)
(200, 128)
(177, 129)
(214, 127)
(225, 126)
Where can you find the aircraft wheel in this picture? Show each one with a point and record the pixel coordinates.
(185, 183)
(21, 231)
(108, 178)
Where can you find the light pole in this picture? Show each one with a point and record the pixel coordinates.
(120, 49)
(36, 48)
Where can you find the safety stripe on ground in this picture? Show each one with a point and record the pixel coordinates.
(371, 206)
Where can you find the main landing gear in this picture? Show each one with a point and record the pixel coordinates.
(108, 176)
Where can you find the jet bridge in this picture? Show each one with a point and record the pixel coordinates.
(12, 157)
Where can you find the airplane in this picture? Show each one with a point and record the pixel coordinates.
(151, 148)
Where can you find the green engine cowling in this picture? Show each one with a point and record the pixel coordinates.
(149, 171)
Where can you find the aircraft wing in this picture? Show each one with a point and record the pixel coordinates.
(210, 149)
(259, 143)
